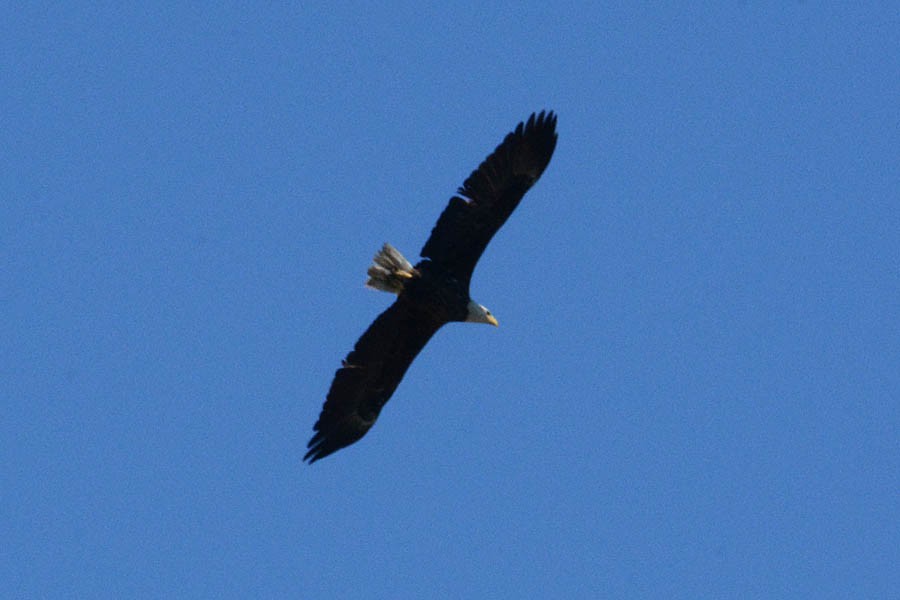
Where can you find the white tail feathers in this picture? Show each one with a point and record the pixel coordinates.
(390, 271)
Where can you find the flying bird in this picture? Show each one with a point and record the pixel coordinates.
(433, 292)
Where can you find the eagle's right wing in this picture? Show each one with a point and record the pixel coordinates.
(490, 195)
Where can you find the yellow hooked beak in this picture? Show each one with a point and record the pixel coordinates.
(492, 321)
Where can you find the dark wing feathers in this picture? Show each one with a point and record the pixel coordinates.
(369, 375)
(490, 195)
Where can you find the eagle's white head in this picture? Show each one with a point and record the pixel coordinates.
(479, 314)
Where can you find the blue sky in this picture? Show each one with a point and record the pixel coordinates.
(694, 389)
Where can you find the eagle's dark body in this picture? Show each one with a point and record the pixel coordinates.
(436, 290)
(440, 294)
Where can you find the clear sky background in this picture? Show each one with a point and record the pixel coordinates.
(695, 388)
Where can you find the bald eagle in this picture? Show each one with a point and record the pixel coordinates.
(433, 292)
